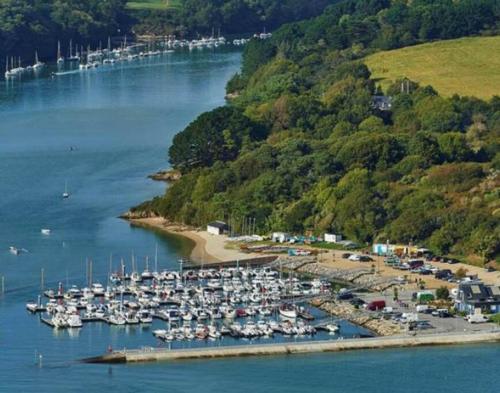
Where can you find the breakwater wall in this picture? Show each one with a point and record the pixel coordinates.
(155, 355)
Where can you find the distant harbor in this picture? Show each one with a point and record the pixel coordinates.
(83, 60)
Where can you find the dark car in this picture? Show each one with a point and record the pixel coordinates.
(345, 296)
(424, 272)
(365, 258)
(346, 255)
(444, 274)
(452, 261)
(357, 301)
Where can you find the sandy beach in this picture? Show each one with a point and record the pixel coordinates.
(207, 248)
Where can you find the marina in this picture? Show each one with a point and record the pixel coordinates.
(195, 304)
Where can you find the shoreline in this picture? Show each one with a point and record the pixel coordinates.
(207, 249)
(156, 355)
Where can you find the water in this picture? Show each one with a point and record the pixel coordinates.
(120, 123)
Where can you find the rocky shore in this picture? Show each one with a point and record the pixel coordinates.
(169, 175)
(347, 311)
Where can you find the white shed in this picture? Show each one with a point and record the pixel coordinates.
(217, 227)
(280, 237)
(332, 238)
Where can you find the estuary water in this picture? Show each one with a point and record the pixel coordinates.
(100, 133)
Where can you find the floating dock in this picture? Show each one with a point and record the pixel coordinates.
(155, 355)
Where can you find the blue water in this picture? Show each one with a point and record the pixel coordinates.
(120, 121)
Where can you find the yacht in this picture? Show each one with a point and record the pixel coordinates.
(74, 321)
(116, 319)
(65, 194)
(45, 231)
(60, 59)
(288, 311)
(38, 64)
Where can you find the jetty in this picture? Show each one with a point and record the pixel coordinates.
(156, 355)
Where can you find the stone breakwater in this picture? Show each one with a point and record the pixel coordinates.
(154, 355)
(380, 326)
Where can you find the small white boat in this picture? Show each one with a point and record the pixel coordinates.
(332, 328)
(14, 250)
(65, 194)
(45, 231)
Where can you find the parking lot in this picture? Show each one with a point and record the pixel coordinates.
(427, 323)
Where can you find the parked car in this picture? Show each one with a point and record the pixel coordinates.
(444, 274)
(357, 301)
(424, 272)
(477, 318)
(346, 255)
(354, 257)
(452, 261)
(346, 295)
(365, 258)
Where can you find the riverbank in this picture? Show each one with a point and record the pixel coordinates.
(207, 248)
(154, 355)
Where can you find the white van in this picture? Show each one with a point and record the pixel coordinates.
(477, 318)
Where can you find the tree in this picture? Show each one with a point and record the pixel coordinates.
(442, 293)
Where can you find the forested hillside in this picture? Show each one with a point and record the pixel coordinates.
(303, 147)
(194, 17)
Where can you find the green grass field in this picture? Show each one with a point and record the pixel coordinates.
(466, 66)
(153, 4)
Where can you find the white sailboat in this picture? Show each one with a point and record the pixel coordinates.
(65, 193)
(72, 57)
(60, 58)
(38, 64)
(8, 73)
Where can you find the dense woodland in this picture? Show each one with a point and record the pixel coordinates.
(230, 16)
(302, 148)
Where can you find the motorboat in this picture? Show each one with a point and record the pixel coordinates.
(288, 311)
(13, 250)
(74, 321)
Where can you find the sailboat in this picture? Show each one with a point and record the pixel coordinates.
(8, 73)
(38, 64)
(60, 59)
(76, 57)
(65, 193)
(109, 59)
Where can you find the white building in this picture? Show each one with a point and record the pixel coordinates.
(217, 227)
(280, 237)
(332, 238)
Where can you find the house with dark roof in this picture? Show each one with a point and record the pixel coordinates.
(382, 103)
(217, 228)
(477, 298)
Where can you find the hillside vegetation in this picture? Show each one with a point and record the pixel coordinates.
(303, 148)
(153, 4)
(466, 66)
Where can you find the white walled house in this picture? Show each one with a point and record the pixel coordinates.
(217, 228)
(332, 238)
